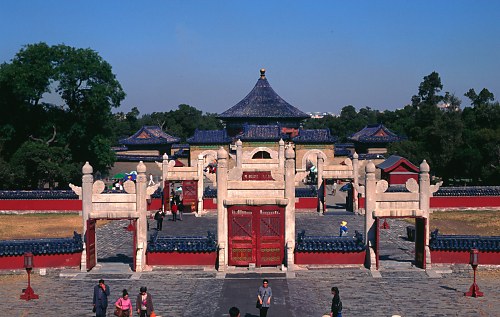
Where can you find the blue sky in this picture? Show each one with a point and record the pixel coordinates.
(319, 55)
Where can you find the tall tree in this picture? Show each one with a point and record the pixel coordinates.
(87, 89)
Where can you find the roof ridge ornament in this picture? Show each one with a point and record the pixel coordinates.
(262, 73)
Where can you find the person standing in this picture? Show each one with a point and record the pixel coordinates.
(144, 303)
(334, 190)
(125, 304)
(174, 209)
(100, 300)
(159, 215)
(180, 208)
(336, 310)
(343, 229)
(264, 295)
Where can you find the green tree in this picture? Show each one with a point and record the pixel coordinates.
(88, 90)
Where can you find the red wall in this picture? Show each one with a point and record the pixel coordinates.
(41, 261)
(330, 257)
(464, 201)
(306, 203)
(181, 258)
(41, 204)
(209, 203)
(463, 257)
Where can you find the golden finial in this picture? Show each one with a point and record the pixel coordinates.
(262, 73)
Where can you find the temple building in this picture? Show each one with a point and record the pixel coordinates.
(373, 139)
(148, 144)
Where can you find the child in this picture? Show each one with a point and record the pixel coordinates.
(343, 229)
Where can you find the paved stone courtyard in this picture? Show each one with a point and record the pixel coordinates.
(399, 289)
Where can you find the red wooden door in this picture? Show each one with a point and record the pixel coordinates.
(420, 242)
(242, 247)
(90, 244)
(190, 195)
(271, 236)
(256, 234)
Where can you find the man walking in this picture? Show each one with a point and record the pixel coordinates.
(264, 295)
(100, 300)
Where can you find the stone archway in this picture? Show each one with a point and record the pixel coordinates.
(131, 205)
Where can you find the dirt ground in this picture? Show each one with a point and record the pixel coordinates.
(34, 226)
(467, 222)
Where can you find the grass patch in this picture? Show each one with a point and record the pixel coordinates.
(35, 226)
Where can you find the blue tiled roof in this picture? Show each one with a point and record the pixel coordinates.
(37, 194)
(182, 244)
(329, 243)
(137, 158)
(469, 191)
(42, 246)
(149, 135)
(261, 133)
(342, 152)
(263, 102)
(463, 242)
(369, 156)
(375, 133)
(314, 136)
(209, 137)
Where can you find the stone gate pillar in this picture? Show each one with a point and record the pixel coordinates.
(239, 153)
(290, 207)
(355, 182)
(200, 185)
(142, 231)
(321, 186)
(424, 205)
(222, 170)
(370, 205)
(281, 155)
(87, 184)
(164, 173)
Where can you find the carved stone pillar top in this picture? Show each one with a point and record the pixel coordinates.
(87, 168)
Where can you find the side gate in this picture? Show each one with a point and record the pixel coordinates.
(190, 194)
(256, 234)
(90, 244)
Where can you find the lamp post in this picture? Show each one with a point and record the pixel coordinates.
(28, 265)
(474, 262)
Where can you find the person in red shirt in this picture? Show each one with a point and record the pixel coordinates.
(174, 209)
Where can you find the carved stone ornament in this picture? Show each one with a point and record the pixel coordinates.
(348, 162)
(412, 185)
(151, 189)
(98, 187)
(171, 163)
(382, 186)
(76, 189)
(129, 187)
(435, 188)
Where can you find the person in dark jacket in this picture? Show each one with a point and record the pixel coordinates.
(144, 303)
(100, 300)
(336, 310)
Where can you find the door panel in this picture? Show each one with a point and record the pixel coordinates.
(420, 242)
(90, 244)
(190, 195)
(256, 234)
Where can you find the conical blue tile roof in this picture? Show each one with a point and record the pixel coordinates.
(263, 102)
